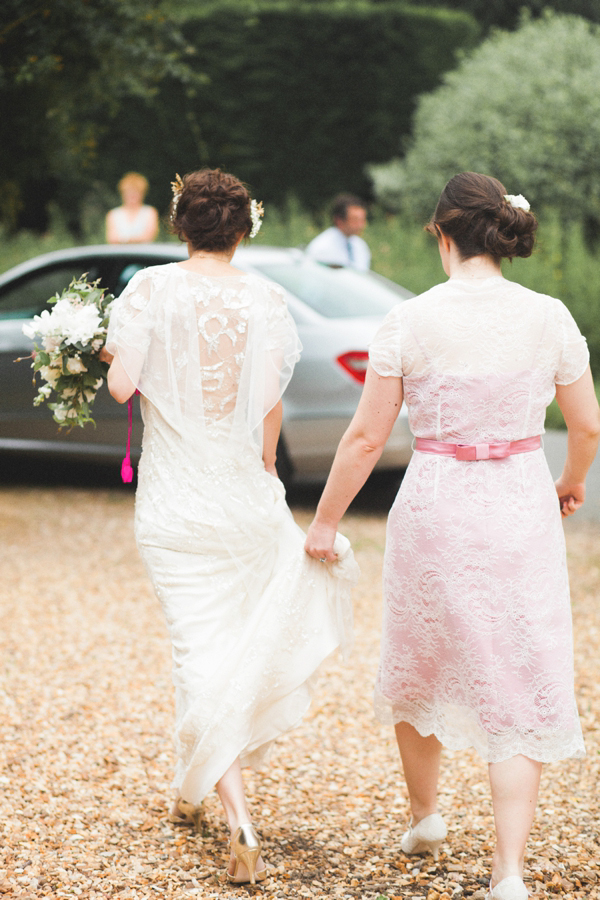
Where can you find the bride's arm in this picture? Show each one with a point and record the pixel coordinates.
(119, 383)
(271, 429)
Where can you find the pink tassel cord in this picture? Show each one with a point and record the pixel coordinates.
(126, 467)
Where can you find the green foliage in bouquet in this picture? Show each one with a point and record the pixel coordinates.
(67, 341)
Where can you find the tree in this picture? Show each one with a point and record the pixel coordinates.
(300, 94)
(507, 13)
(524, 107)
(65, 67)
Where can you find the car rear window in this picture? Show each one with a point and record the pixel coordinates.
(335, 293)
(30, 295)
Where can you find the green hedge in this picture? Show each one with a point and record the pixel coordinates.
(298, 98)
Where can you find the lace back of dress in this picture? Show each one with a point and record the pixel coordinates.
(212, 355)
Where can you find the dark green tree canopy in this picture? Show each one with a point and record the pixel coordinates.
(65, 67)
(294, 96)
(299, 96)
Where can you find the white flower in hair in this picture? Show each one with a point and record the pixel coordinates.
(256, 214)
(517, 201)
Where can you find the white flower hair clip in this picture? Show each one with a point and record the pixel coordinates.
(517, 201)
(177, 188)
(256, 214)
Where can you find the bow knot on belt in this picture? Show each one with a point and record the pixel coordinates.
(473, 452)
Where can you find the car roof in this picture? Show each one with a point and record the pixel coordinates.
(152, 252)
(252, 257)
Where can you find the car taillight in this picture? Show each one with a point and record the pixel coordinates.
(355, 363)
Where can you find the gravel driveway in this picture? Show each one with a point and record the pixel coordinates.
(86, 748)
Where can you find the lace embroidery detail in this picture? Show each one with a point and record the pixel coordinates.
(199, 347)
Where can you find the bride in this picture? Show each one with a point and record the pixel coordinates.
(250, 615)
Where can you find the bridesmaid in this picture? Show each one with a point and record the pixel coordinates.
(476, 648)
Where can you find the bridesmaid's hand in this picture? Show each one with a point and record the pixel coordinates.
(319, 542)
(570, 496)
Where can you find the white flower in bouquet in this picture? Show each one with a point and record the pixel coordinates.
(75, 366)
(51, 374)
(60, 413)
(71, 336)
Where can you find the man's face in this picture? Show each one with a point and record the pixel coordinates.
(355, 221)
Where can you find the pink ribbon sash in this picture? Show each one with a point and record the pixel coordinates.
(473, 452)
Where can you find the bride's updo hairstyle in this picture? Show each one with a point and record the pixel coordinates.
(212, 210)
(473, 211)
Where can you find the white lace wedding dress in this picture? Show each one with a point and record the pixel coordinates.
(250, 615)
(477, 638)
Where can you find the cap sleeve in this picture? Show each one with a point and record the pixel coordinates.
(575, 357)
(283, 345)
(281, 328)
(130, 326)
(385, 350)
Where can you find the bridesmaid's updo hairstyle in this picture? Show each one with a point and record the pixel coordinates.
(212, 210)
(473, 211)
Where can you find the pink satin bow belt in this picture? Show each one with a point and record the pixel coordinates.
(478, 451)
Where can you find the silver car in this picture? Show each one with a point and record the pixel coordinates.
(336, 310)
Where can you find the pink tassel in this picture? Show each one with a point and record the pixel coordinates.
(126, 470)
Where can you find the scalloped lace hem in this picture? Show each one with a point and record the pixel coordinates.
(457, 728)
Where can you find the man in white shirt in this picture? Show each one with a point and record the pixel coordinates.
(341, 245)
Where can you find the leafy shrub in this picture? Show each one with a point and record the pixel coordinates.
(525, 107)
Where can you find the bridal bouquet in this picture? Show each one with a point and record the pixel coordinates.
(72, 335)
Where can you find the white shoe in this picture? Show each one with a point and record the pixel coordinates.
(511, 888)
(426, 836)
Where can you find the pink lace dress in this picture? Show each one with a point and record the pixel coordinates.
(477, 637)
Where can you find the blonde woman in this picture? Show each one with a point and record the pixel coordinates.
(133, 222)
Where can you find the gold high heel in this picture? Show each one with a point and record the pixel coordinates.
(246, 847)
(185, 813)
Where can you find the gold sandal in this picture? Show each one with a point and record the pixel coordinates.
(185, 813)
(246, 846)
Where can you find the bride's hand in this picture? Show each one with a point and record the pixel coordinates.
(319, 541)
(105, 356)
(570, 496)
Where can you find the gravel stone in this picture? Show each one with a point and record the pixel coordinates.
(86, 751)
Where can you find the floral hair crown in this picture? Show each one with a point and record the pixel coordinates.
(517, 201)
(256, 209)
(256, 214)
(177, 187)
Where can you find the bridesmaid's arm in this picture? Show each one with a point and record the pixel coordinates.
(271, 429)
(579, 406)
(359, 450)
